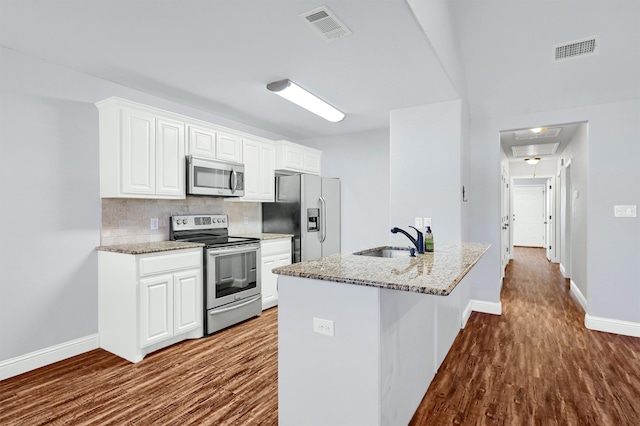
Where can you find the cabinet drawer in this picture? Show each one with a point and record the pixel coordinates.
(169, 262)
(270, 247)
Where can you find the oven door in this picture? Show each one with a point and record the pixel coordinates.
(233, 274)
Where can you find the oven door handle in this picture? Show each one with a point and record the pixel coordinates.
(216, 252)
(230, 308)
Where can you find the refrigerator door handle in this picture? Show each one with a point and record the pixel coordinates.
(323, 219)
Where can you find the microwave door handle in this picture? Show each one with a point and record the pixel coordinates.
(323, 219)
(234, 180)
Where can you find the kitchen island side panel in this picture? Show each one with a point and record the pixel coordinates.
(325, 380)
(407, 352)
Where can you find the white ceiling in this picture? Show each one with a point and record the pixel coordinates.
(508, 139)
(218, 55)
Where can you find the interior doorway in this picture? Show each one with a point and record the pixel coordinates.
(538, 157)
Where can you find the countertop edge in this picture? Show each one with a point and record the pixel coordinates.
(438, 291)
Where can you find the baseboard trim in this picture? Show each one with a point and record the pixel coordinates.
(563, 271)
(626, 328)
(575, 290)
(23, 363)
(494, 308)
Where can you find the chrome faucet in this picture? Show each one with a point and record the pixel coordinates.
(419, 243)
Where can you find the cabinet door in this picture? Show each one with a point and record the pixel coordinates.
(293, 158)
(170, 162)
(266, 187)
(138, 152)
(202, 142)
(228, 148)
(312, 162)
(252, 172)
(188, 308)
(156, 307)
(269, 282)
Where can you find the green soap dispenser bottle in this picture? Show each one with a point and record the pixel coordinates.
(428, 240)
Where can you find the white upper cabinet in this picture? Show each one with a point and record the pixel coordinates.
(295, 158)
(209, 142)
(141, 151)
(202, 142)
(229, 147)
(259, 177)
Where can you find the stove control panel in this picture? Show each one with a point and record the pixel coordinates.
(199, 221)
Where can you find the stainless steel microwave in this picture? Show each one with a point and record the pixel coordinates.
(214, 178)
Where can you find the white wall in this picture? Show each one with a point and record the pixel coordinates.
(577, 153)
(50, 199)
(425, 169)
(361, 161)
(612, 248)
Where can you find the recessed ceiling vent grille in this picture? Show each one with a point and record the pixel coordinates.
(576, 49)
(535, 150)
(326, 23)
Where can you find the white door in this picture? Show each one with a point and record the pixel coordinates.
(170, 174)
(251, 155)
(138, 152)
(565, 225)
(267, 173)
(156, 307)
(269, 284)
(202, 142)
(229, 148)
(504, 222)
(187, 307)
(549, 220)
(528, 216)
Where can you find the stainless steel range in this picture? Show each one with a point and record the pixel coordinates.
(231, 272)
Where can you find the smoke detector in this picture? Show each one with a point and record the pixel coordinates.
(576, 49)
(326, 23)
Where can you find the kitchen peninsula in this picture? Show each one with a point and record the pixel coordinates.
(360, 337)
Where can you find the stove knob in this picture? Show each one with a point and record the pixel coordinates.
(184, 221)
(218, 220)
(224, 219)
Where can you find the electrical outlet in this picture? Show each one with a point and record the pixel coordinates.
(154, 223)
(246, 220)
(426, 222)
(418, 222)
(323, 326)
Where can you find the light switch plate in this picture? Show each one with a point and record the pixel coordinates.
(154, 223)
(418, 223)
(625, 211)
(426, 222)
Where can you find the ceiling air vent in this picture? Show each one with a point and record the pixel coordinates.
(326, 23)
(576, 49)
(534, 150)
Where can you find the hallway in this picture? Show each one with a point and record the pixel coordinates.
(535, 364)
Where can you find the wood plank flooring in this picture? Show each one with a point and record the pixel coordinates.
(536, 364)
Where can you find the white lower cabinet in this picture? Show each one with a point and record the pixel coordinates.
(274, 253)
(150, 301)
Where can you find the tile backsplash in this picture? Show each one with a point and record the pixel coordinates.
(127, 220)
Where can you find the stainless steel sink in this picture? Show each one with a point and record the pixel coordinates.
(385, 252)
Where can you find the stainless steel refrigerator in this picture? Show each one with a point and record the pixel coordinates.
(307, 206)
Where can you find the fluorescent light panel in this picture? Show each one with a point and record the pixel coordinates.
(299, 96)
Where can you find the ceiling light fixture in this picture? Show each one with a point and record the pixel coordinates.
(299, 96)
(537, 130)
(532, 161)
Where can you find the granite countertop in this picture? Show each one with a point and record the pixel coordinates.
(151, 247)
(430, 273)
(265, 236)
